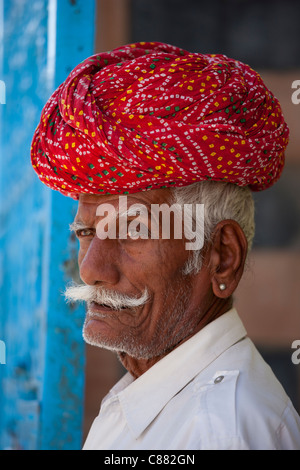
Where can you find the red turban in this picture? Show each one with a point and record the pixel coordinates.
(151, 115)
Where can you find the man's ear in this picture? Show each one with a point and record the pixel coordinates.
(227, 257)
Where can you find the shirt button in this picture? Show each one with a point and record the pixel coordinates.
(219, 379)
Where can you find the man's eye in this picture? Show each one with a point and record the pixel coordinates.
(85, 232)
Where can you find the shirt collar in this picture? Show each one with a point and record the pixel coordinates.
(143, 399)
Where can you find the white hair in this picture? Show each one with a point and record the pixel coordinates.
(102, 296)
(221, 201)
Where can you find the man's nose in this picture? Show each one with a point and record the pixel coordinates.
(98, 264)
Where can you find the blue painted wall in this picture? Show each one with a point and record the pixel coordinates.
(42, 382)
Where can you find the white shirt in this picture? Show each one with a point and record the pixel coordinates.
(212, 392)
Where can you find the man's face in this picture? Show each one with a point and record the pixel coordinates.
(131, 266)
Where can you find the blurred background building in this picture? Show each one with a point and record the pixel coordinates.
(52, 384)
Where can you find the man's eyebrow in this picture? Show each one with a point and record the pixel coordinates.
(130, 212)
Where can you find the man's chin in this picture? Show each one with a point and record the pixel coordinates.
(94, 340)
(120, 346)
(97, 333)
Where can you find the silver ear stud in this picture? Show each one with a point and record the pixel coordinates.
(222, 286)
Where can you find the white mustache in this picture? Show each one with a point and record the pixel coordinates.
(102, 296)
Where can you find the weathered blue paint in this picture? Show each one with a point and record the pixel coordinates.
(24, 218)
(64, 377)
(41, 391)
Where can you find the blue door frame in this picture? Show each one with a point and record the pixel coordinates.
(42, 380)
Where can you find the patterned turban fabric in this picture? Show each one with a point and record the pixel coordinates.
(151, 115)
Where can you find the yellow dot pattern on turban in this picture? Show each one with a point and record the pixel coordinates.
(152, 115)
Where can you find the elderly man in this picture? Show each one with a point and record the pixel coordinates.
(129, 133)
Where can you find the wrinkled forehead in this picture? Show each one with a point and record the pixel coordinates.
(158, 196)
(88, 203)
